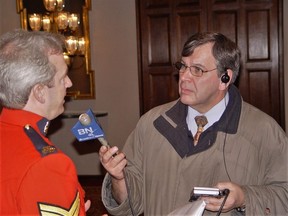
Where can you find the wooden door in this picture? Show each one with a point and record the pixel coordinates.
(255, 25)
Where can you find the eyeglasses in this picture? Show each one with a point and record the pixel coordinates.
(194, 70)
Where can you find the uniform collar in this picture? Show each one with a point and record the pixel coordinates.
(23, 117)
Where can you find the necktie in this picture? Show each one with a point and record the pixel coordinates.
(201, 121)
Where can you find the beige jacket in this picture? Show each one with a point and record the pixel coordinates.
(163, 168)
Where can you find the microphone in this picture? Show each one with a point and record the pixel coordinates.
(87, 128)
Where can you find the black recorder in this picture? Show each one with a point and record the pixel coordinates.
(207, 191)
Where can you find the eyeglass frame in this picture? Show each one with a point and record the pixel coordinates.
(192, 66)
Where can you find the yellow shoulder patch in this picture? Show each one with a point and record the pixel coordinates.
(51, 210)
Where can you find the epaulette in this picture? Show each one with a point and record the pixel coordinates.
(41, 146)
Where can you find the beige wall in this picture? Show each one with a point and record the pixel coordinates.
(114, 60)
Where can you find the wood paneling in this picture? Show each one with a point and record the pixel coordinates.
(255, 25)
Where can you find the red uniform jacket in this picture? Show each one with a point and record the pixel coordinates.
(36, 178)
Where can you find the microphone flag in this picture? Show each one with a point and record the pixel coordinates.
(84, 132)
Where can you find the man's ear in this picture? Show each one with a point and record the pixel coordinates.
(38, 91)
(230, 74)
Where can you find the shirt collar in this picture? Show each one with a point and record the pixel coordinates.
(213, 115)
(228, 122)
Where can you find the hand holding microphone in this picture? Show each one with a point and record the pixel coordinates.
(87, 128)
(114, 162)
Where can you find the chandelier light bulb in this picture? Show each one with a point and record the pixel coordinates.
(35, 21)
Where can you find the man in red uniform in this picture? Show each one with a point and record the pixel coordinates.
(36, 177)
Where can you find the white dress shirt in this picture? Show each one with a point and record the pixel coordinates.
(213, 115)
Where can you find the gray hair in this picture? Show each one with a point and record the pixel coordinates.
(24, 63)
(226, 52)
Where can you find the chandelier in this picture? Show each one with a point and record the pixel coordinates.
(56, 19)
(69, 18)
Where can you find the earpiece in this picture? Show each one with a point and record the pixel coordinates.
(225, 78)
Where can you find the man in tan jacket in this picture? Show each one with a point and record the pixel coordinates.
(240, 148)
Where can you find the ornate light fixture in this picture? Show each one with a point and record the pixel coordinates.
(70, 19)
(56, 19)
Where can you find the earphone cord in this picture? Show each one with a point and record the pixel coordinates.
(224, 158)
(226, 192)
(223, 152)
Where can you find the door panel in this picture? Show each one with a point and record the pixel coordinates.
(255, 25)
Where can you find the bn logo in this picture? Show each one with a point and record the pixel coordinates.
(86, 131)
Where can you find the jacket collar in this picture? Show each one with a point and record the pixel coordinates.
(181, 138)
(227, 123)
